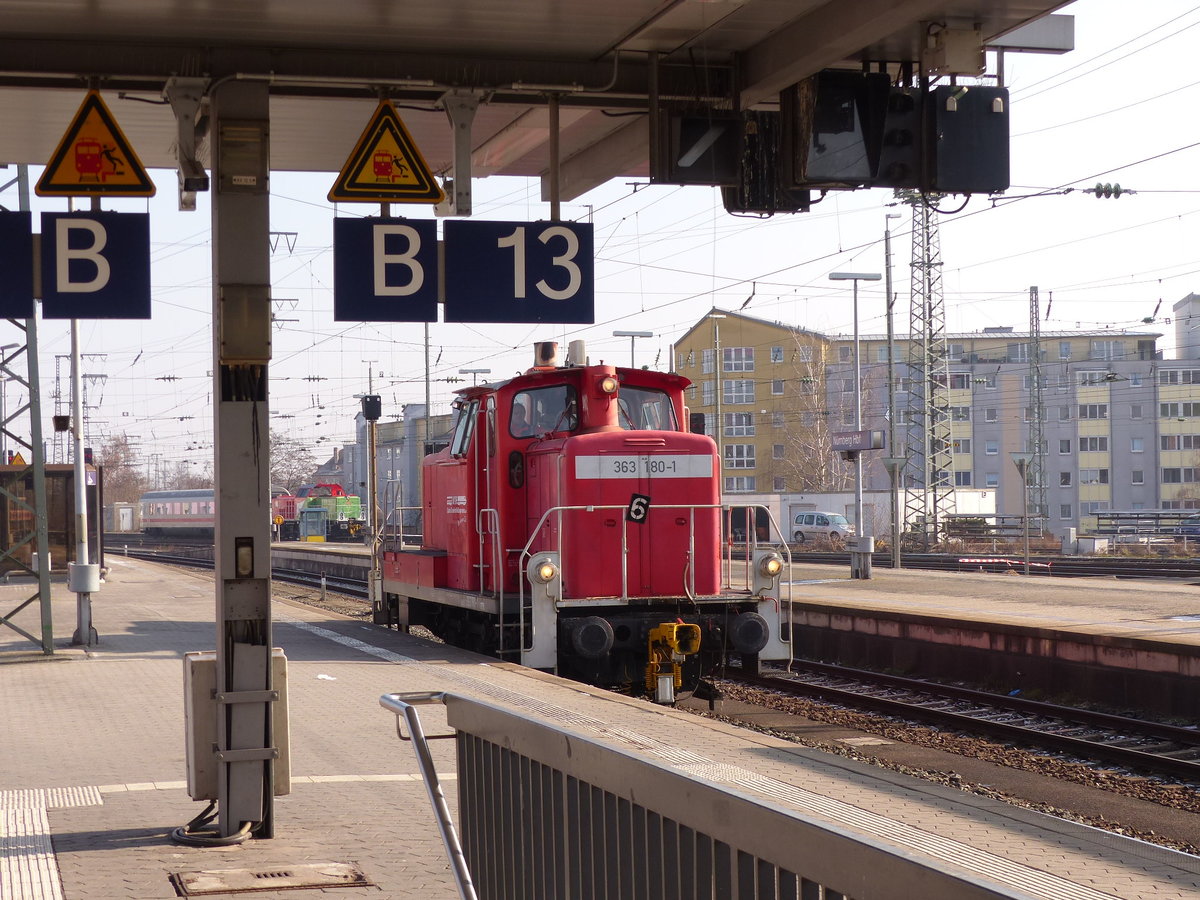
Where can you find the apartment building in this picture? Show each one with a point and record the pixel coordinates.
(1120, 424)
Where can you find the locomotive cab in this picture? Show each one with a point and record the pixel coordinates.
(573, 525)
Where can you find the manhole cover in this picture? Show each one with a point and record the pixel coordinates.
(279, 878)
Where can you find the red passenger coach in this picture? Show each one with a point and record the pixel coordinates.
(573, 525)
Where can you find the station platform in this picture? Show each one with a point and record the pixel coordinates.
(93, 774)
(1128, 643)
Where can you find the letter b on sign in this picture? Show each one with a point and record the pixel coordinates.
(95, 265)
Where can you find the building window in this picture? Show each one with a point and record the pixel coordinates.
(991, 479)
(1137, 476)
(805, 354)
(777, 451)
(845, 354)
(1093, 476)
(779, 483)
(710, 393)
(1179, 376)
(738, 359)
(1064, 414)
(706, 361)
(1184, 475)
(959, 381)
(777, 420)
(1179, 442)
(739, 456)
(739, 484)
(955, 351)
(1094, 410)
(1064, 479)
(776, 354)
(1178, 410)
(991, 448)
(710, 424)
(847, 385)
(989, 381)
(1064, 446)
(1135, 379)
(1093, 445)
(679, 358)
(808, 385)
(777, 387)
(990, 414)
(739, 424)
(962, 479)
(962, 445)
(1064, 349)
(960, 414)
(738, 391)
(848, 417)
(1108, 349)
(1135, 410)
(1137, 445)
(1064, 511)
(808, 419)
(1092, 506)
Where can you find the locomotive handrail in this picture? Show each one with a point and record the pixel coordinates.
(405, 705)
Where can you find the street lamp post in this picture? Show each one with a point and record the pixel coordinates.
(1022, 460)
(633, 336)
(895, 463)
(860, 567)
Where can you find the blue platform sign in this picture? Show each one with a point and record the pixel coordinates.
(519, 272)
(95, 265)
(16, 264)
(385, 270)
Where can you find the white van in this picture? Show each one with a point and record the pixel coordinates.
(815, 526)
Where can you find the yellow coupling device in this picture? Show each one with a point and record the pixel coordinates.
(668, 644)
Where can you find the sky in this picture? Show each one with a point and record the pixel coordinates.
(1117, 109)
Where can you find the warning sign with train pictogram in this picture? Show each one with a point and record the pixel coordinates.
(94, 158)
(386, 166)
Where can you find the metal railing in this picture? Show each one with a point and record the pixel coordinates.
(546, 812)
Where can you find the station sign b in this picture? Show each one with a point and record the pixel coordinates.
(95, 265)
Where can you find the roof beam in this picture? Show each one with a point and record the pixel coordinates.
(617, 153)
(827, 36)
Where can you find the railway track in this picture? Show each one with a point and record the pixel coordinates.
(1129, 743)
(352, 587)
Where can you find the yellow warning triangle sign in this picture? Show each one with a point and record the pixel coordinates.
(386, 166)
(94, 158)
(17, 460)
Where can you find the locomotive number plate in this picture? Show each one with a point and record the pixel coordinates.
(665, 465)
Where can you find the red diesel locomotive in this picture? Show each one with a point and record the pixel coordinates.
(573, 525)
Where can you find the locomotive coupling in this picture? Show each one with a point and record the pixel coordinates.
(668, 644)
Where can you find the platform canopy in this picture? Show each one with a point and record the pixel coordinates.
(329, 62)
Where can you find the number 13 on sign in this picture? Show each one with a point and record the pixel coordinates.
(519, 272)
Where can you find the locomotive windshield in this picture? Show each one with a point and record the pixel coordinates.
(541, 410)
(645, 409)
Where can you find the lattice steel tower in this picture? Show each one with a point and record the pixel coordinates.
(1035, 484)
(929, 497)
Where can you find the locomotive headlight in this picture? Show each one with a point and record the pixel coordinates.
(545, 571)
(608, 385)
(770, 565)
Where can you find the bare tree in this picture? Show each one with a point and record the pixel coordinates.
(292, 463)
(182, 476)
(813, 464)
(123, 478)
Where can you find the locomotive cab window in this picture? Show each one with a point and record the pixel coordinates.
(463, 429)
(645, 409)
(543, 410)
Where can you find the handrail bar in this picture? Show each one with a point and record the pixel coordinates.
(405, 704)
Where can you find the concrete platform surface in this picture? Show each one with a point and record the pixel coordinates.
(93, 775)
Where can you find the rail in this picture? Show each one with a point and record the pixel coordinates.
(547, 812)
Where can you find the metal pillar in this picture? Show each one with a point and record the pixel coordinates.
(930, 458)
(84, 578)
(39, 537)
(242, 547)
(1035, 478)
(895, 460)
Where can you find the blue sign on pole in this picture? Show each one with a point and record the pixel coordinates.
(385, 270)
(95, 265)
(16, 264)
(519, 272)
